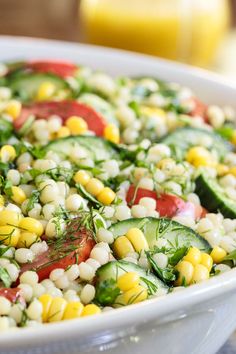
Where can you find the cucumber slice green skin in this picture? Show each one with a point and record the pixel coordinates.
(100, 105)
(176, 234)
(87, 195)
(25, 85)
(212, 196)
(183, 138)
(97, 148)
(114, 269)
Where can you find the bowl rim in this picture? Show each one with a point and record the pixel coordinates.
(150, 309)
(193, 71)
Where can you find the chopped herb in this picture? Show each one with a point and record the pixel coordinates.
(98, 223)
(6, 130)
(107, 292)
(24, 319)
(178, 255)
(5, 277)
(34, 198)
(4, 167)
(8, 188)
(152, 288)
(226, 131)
(3, 250)
(230, 257)
(135, 107)
(167, 274)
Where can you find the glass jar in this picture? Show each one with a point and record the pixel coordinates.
(184, 30)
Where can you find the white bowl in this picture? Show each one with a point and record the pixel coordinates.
(197, 320)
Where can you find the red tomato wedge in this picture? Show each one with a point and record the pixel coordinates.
(73, 249)
(168, 205)
(200, 109)
(12, 294)
(64, 109)
(203, 212)
(59, 68)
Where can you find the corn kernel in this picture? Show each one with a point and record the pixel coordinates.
(106, 196)
(122, 246)
(9, 217)
(185, 270)
(128, 281)
(13, 108)
(18, 195)
(193, 256)
(76, 125)
(233, 138)
(218, 254)
(9, 235)
(111, 133)
(164, 163)
(199, 156)
(52, 136)
(200, 273)
(232, 171)
(222, 169)
(63, 132)
(7, 153)
(27, 239)
(81, 177)
(46, 301)
(45, 91)
(152, 111)
(137, 238)
(2, 201)
(207, 261)
(135, 295)
(56, 310)
(31, 225)
(91, 309)
(73, 309)
(94, 186)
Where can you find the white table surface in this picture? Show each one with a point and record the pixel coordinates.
(229, 347)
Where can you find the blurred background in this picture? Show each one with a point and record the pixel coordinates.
(199, 32)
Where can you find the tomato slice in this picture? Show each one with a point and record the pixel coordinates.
(168, 205)
(203, 212)
(12, 294)
(64, 109)
(59, 68)
(73, 249)
(200, 109)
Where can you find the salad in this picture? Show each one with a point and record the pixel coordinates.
(113, 191)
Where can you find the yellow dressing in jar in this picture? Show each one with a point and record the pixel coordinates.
(184, 30)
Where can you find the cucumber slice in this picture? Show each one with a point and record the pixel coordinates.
(100, 105)
(25, 85)
(175, 234)
(181, 140)
(24, 130)
(96, 148)
(113, 270)
(213, 196)
(87, 195)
